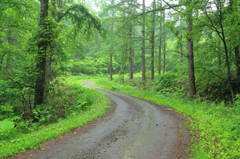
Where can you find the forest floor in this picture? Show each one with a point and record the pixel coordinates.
(132, 129)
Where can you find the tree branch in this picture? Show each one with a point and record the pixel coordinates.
(172, 7)
(61, 15)
(185, 55)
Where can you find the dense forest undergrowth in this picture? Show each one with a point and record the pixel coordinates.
(70, 106)
(215, 128)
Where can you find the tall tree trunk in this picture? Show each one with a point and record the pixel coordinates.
(221, 34)
(110, 70)
(111, 59)
(153, 42)
(131, 60)
(41, 56)
(191, 76)
(181, 39)
(131, 48)
(143, 45)
(160, 43)
(164, 44)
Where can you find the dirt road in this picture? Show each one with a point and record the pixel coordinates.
(134, 129)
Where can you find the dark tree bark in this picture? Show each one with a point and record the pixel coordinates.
(153, 42)
(111, 59)
(131, 50)
(143, 45)
(131, 57)
(41, 56)
(221, 34)
(191, 76)
(110, 70)
(164, 45)
(160, 43)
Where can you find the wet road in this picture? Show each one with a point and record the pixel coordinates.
(136, 129)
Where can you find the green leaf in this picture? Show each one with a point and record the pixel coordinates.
(6, 125)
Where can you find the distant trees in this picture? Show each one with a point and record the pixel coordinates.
(189, 28)
(36, 47)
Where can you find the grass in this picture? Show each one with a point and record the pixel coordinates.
(215, 128)
(32, 140)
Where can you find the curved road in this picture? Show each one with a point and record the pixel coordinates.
(136, 129)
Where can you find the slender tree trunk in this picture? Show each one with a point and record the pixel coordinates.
(181, 39)
(191, 76)
(111, 64)
(131, 50)
(143, 45)
(164, 45)
(131, 56)
(223, 38)
(153, 42)
(228, 64)
(110, 70)
(160, 44)
(41, 56)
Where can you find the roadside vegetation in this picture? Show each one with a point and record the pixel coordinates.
(215, 128)
(70, 106)
(188, 48)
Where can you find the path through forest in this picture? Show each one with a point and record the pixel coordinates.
(134, 129)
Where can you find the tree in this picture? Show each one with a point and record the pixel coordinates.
(131, 50)
(80, 18)
(191, 75)
(160, 42)
(220, 21)
(153, 42)
(164, 43)
(143, 43)
(42, 53)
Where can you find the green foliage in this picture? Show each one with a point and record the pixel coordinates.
(86, 105)
(82, 21)
(88, 66)
(6, 125)
(166, 82)
(63, 100)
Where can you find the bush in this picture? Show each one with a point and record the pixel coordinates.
(16, 104)
(166, 82)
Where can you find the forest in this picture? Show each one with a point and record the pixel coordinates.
(178, 49)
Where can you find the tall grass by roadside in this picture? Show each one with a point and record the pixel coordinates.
(19, 142)
(215, 128)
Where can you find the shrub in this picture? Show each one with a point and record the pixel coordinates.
(166, 82)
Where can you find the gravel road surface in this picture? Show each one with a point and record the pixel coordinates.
(132, 129)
